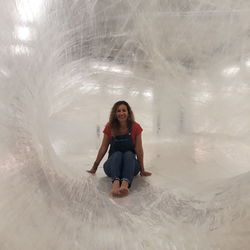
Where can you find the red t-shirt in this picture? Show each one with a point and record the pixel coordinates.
(136, 130)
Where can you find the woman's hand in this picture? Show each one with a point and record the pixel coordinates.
(102, 151)
(145, 173)
(93, 169)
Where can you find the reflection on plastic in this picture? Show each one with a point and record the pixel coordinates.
(183, 66)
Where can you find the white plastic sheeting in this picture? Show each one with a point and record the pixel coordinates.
(184, 66)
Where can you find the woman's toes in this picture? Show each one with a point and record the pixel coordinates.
(123, 191)
(115, 192)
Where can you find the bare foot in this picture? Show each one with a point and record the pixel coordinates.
(124, 188)
(115, 188)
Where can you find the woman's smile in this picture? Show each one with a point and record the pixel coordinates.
(122, 113)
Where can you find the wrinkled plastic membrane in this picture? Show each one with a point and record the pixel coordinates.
(184, 67)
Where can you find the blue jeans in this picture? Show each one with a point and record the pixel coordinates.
(122, 166)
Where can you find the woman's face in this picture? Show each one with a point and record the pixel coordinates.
(122, 113)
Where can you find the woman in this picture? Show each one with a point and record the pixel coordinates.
(125, 158)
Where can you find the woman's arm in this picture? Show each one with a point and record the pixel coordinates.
(102, 151)
(139, 153)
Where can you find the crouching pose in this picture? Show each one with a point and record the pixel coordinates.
(125, 159)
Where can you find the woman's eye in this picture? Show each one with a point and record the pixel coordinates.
(124, 110)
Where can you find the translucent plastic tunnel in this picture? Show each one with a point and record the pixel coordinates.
(182, 65)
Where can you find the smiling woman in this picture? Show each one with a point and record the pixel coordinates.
(183, 66)
(123, 135)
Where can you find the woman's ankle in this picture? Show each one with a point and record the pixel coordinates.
(124, 184)
(115, 187)
(116, 181)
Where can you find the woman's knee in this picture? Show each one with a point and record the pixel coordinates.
(117, 154)
(129, 154)
(106, 168)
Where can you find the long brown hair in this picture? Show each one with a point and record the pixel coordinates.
(114, 123)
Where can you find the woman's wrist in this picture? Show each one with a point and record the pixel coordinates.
(142, 169)
(95, 166)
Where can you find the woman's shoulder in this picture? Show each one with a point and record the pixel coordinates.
(137, 127)
(107, 124)
(107, 129)
(135, 124)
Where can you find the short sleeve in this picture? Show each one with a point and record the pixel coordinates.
(107, 130)
(138, 129)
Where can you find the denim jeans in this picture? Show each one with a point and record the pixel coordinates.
(122, 166)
